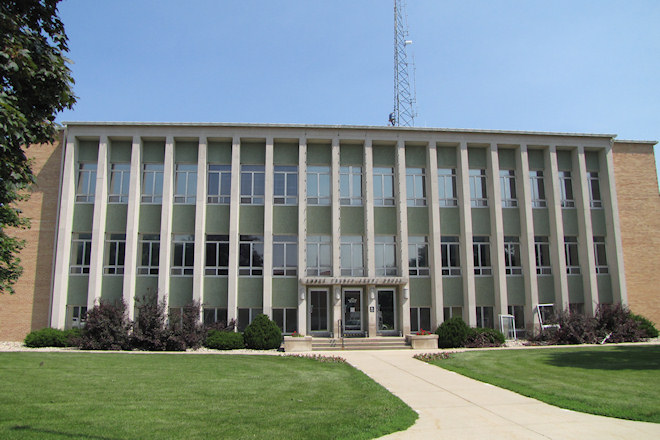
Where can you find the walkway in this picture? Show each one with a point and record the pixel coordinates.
(452, 406)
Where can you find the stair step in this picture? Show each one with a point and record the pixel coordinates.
(394, 343)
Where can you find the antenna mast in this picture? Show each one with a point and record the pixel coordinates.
(404, 98)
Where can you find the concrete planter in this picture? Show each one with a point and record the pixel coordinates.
(423, 342)
(293, 344)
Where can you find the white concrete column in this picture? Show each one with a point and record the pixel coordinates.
(336, 213)
(132, 227)
(585, 232)
(497, 232)
(372, 324)
(268, 230)
(402, 232)
(466, 242)
(557, 256)
(200, 224)
(98, 225)
(369, 230)
(64, 234)
(165, 256)
(302, 235)
(232, 279)
(527, 252)
(435, 254)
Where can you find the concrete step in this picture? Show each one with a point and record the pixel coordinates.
(383, 343)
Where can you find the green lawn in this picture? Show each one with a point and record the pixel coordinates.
(620, 381)
(141, 396)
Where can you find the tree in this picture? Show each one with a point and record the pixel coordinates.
(35, 84)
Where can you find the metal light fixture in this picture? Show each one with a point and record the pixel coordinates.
(405, 293)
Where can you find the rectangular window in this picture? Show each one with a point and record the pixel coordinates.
(385, 251)
(481, 254)
(566, 189)
(251, 255)
(285, 255)
(115, 251)
(120, 177)
(600, 255)
(418, 255)
(485, 317)
(149, 254)
(213, 315)
(183, 254)
(518, 313)
(252, 184)
(508, 188)
(452, 312)
(78, 316)
(576, 308)
(478, 189)
(512, 256)
(286, 319)
(318, 185)
(571, 251)
(352, 258)
(285, 185)
(420, 319)
(185, 183)
(86, 187)
(245, 317)
(152, 183)
(219, 184)
(416, 186)
(217, 255)
(383, 186)
(542, 254)
(350, 185)
(594, 190)
(447, 187)
(319, 255)
(537, 189)
(81, 251)
(451, 257)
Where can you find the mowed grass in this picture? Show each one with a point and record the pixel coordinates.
(619, 381)
(156, 396)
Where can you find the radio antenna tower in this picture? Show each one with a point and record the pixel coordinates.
(404, 95)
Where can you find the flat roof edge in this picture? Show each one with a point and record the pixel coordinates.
(628, 141)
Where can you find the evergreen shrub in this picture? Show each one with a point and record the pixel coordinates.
(262, 334)
(224, 340)
(646, 326)
(453, 333)
(46, 337)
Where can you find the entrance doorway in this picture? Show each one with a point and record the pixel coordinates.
(386, 317)
(352, 311)
(318, 311)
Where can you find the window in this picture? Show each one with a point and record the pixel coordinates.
(78, 316)
(385, 250)
(451, 257)
(566, 189)
(481, 254)
(416, 186)
(478, 191)
(217, 255)
(285, 185)
(383, 186)
(245, 317)
(219, 184)
(420, 319)
(485, 317)
(81, 251)
(318, 185)
(537, 189)
(512, 256)
(508, 188)
(86, 187)
(542, 254)
(576, 308)
(183, 254)
(115, 251)
(185, 183)
(352, 259)
(447, 187)
(594, 190)
(152, 183)
(600, 255)
(120, 176)
(518, 313)
(213, 315)
(319, 255)
(571, 250)
(149, 254)
(252, 184)
(418, 256)
(285, 255)
(251, 255)
(286, 319)
(350, 185)
(452, 312)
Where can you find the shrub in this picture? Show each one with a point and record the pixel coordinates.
(46, 337)
(221, 326)
(617, 322)
(224, 340)
(73, 337)
(646, 326)
(188, 328)
(107, 328)
(452, 333)
(149, 329)
(262, 334)
(484, 337)
(574, 328)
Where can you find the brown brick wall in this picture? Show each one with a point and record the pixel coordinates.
(28, 308)
(639, 213)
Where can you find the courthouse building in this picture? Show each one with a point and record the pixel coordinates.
(337, 230)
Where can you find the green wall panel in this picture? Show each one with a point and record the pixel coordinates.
(452, 291)
(186, 152)
(83, 216)
(153, 151)
(120, 151)
(484, 291)
(446, 157)
(250, 292)
(511, 221)
(541, 221)
(285, 292)
(253, 153)
(383, 155)
(605, 295)
(416, 157)
(219, 152)
(546, 287)
(450, 221)
(418, 220)
(115, 220)
(385, 220)
(477, 158)
(146, 286)
(150, 219)
(251, 220)
(285, 153)
(319, 154)
(352, 220)
(217, 219)
(319, 220)
(351, 154)
(215, 291)
(183, 219)
(481, 221)
(564, 160)
(575, 289)
(77, 290)
(285, 220)
(112, 288)
(420, 292)
(507, 158)
(592, 162)
(181, 291)
(88, 151)
(598, 224)
(535, 158)
(569, 219)
(515, 289)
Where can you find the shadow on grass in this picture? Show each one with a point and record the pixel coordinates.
(618, 358)
(59, 433)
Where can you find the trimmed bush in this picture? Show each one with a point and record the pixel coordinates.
(46, 337)
(262, 334)
(452, 333)
(646, 326)
(224, 340)
(107, 328)
(484, 337)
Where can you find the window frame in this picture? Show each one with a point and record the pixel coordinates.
(86, 182)
(255, 244)
(286, 197)
(478, 187)
(537, 189)
(450, 246)
(511, 253)
(256, 175)
(384, 247)
(186, 244)
(383, 197)
(221, 191)
(541, 250)
(213, 248)
(415, 186)
(187, 174)
(508, 188)
(120, 175)
(595, 196)
(481, 255)
(152, 172)
(416, 318)
(352, 247)
(216, 311)
(288, 269)
(83, 261)
(317, 246)
(415, 243)
(287, 313)
(152, 243)
(566, 187)
(319, 175)
(114, 244)
(484, 312)
(447, 180)
(350, 175)
(571, 252)
(600, 263)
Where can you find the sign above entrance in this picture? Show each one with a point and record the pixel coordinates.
(354, 281)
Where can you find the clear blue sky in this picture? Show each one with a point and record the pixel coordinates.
(565, 65)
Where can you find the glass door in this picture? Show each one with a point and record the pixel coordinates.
(352, 311)
(318, 310)
(386, 312)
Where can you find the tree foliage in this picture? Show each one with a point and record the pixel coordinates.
(35, 84)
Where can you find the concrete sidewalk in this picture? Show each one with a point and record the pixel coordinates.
(452, 406)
